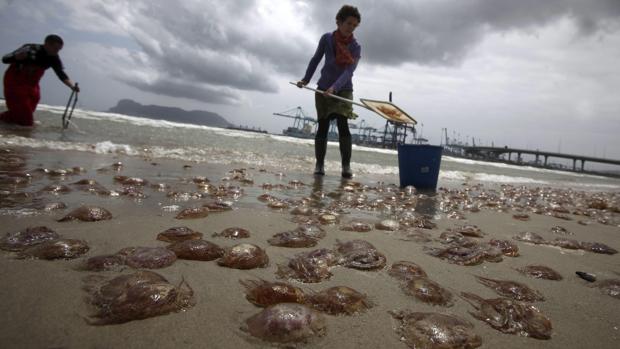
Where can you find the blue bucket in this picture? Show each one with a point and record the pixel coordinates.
(418, 165)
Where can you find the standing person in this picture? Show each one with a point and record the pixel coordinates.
(342, 53)
(21, 80)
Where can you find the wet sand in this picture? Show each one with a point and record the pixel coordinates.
(43, 304)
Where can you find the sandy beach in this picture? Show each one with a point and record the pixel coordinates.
(43, 304)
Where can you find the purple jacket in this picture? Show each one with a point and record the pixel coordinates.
(333, 75)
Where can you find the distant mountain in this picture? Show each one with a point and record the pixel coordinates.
(198, 117)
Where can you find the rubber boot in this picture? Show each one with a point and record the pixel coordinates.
(320, 148)
(345, 154)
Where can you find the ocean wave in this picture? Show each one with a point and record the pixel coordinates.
(302, 164)
(193, 154)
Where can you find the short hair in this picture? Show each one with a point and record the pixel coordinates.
(54, 39)
(347, 11)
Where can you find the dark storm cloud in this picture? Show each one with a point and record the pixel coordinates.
(202, 45)
(196, 46)
(185, 90)
(444, 32)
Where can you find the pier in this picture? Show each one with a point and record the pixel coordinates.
(541, 158)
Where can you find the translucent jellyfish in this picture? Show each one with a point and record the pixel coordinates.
(244, 256)
(175, 234)
(610, 287)
(428, 291)
(264, 293)
(56, 249)
(357, 226)
(405, 271)
(510, 316)
(530, 237)
(31, 236)
(435, 331)
(312, 266)
(293, 238)
(286, 323)
(87, 214)
(104, 262)
(597, 247)
(148, 257)
(512, 289)
(199, 250)
(193, 213)
(233, 233)
(360, 254)
(540, 272)
(136, 296)
(339, 300)
(507, 247)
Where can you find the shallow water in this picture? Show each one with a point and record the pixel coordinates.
(108, 133)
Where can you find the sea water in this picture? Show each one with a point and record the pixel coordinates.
(109, 133)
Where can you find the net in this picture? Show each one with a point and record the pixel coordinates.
(389, 111)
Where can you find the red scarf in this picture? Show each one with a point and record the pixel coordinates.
(343, 55)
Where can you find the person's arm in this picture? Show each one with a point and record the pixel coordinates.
(347, 74)
(314, 61)
(60, 72)
(72, 85)
(18, 55)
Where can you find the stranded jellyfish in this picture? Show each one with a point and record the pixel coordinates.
(312, 266)
(540, 272)
(357, 226)
(87, 214)
(339, 300)
(405, 271)
(294, 238)
(530, 237)
(428, 291)
(22, 239)
(360, 254)
(507, 247)
(104, 262)
(610, 287)
(137, 296)
(435, 331)
(233, 233)
(597, 247)
(56, 249)
(148, 257)
(512, 289)
(178, 234)
(265, 293)
(244, 256)
(510, 316)
(388, 224)
(286, 323)
(198, 250)
(193, 213)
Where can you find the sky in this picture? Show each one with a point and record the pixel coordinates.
(529, 73)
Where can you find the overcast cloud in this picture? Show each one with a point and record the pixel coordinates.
(477, 66)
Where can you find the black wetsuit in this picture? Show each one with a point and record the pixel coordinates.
(37, 56)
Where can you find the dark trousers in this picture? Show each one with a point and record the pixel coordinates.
(343, 127)
(344, 138)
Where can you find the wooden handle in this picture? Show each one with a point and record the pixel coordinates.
(333, 96)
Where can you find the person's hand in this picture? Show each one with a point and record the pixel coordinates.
(301, 83)
(329, 91)
(75, 88)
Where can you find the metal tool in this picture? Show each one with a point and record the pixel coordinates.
(66, 118)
